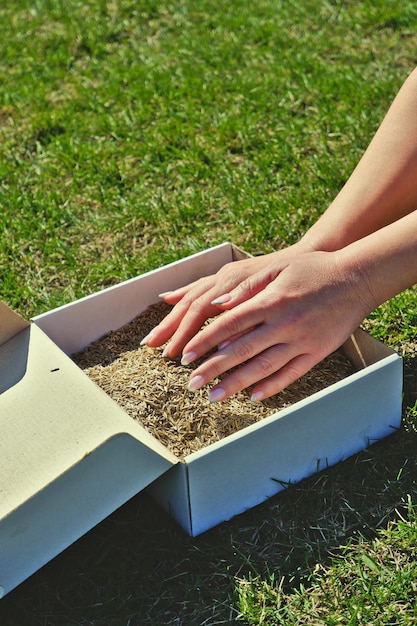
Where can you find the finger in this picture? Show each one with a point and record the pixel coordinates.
(258, 368)
(182, 323)
(246, 289)
(182, 299)
(172, 297)
(227, 342)
(201, 285)
(190, 328)
(269, 386)
(288, 374)
(252, 350)
(234, 323)
(186, 319)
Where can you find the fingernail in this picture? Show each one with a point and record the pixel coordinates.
(195, 383)
(146, 338)
(164, 293)
(224, 344)
(222, 299)
(188, 357)
(217, 394)
(165, 352)
(257, 396)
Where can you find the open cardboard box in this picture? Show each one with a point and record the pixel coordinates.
(69, 455)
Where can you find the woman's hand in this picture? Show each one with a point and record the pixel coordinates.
(277, 322)
(194, 302)
(306, 309)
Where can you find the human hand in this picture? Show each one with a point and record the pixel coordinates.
(193, 302)
(278, 323)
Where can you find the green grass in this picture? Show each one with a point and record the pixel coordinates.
(370, 582)
(133, 133)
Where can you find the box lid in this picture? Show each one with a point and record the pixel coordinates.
(65, 448)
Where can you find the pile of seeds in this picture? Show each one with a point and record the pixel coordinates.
(153, 390)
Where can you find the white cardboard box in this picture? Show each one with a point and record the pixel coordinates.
(69, 456)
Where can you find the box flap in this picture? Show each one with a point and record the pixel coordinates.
(364, 350)
(69, 456)
(52, 418)
(10, 323)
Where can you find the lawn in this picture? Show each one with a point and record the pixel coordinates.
(133, 133)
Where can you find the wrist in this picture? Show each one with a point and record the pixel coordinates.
(361, 272)
(365, 274)
(308, 243)
(318, 239)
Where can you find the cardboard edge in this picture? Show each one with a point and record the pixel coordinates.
(238, 254)
(14, 359)
(11, 323)
(288, 411)
(68, 507)
(172, 492)
(178, 263)
(249, 467)
(363, 349)
(121, 303)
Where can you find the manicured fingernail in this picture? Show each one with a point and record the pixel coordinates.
(224, 344)
(164, 293)
(165, 352)
(188, 357)
(195, 383)
(217, 394)
(222, 299)
(257, 396)
(146, 338)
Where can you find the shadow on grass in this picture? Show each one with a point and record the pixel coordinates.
(137, 567)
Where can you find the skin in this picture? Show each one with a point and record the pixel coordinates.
(285, 311)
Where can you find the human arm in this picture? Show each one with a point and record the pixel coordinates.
(381, 191)
(383, 186)
(305, 312)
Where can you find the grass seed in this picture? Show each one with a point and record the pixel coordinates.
(153, 390)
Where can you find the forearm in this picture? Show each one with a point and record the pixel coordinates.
(385, 261)
(383, 186)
